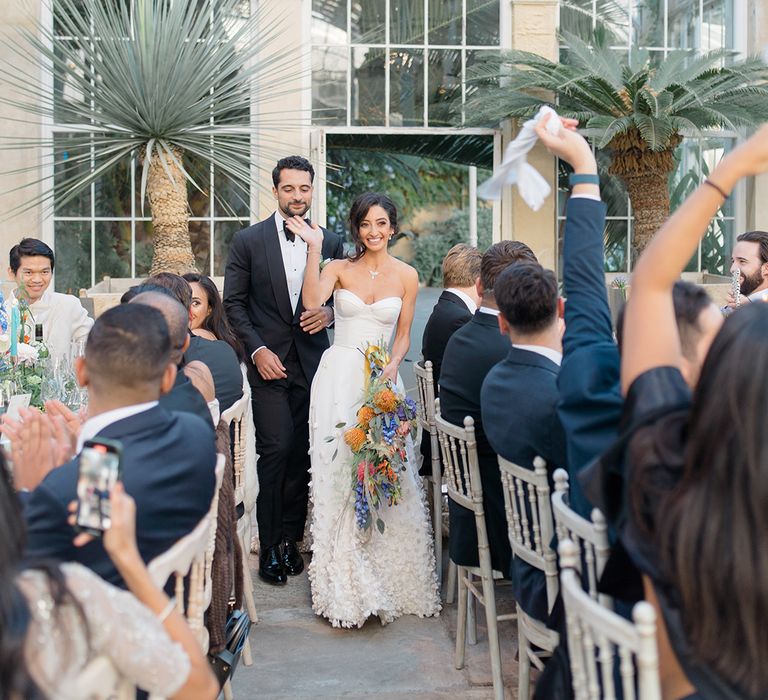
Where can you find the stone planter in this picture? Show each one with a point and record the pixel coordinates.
(717, 286)
(107, 293)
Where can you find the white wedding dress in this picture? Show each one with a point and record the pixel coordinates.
(355, 575)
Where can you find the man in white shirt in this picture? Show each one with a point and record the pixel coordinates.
(750, 258)
(262, 297)
(61, 317)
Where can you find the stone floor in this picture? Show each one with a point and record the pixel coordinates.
(299, 655)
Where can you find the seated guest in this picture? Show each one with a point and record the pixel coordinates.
(207, 317)
(750, 258)
(457, 303)
(590, 397)
(61, 616)
(193, 387)
(62, 316)
(471, 352)
(168, 457)
(519, 396)
(217, 355)
(692, 517)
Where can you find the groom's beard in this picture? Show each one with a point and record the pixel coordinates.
(288, 213)
(751, 283)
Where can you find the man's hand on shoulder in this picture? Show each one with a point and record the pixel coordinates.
(268, 364)
(315, 320)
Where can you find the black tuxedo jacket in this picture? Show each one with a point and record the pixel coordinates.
(448, 315)
(470, 354)
(168, 467)
(519, 406)
(185, 398)
(256, 296)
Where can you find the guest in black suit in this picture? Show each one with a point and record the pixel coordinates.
(168, 458)
(219, 358)
(454, 308)
(284, 343)
(193, 385)
(519, 396)
(471, 352)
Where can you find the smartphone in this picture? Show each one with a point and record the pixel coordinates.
(98, 472)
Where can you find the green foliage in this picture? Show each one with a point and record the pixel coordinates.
(411, 181)
(167, 79)
(430, 248)
(679, 95)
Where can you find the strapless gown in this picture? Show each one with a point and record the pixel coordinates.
(354, 577)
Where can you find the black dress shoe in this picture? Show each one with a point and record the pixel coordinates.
(293, 563)
(271, 566)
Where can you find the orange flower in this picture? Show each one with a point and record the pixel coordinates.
(355, 438)
(385, 400)
(364, 415)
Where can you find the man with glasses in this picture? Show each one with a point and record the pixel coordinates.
(60, 317)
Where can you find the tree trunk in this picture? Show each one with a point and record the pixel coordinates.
(170, 217)
(645, 173)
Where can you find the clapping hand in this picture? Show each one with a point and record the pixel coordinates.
(38, 444)
(310, 234)
(568, 144)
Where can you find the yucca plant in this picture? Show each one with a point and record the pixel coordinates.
(166, 81)
(639, 107)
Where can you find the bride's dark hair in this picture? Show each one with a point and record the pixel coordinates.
(359, 211)
(15, 617)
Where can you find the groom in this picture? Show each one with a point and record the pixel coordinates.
(284, 341)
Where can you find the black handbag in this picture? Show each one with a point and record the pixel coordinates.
(225, 662)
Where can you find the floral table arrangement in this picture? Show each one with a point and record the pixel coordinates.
(378, 440)
(22, 358)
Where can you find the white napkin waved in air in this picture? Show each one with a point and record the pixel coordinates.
(515, 169)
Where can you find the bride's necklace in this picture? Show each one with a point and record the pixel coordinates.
(374, 273)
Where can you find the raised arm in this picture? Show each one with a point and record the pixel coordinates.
(650, 304)
(318, 285)
(402, 342)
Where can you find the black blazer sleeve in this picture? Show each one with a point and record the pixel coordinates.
(237, 287)
(49, 536)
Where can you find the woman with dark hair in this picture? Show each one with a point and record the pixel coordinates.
(391, 573)
(54, 618)
(206, 313)
(694, 519)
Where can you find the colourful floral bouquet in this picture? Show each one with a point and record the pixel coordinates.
(384, 421)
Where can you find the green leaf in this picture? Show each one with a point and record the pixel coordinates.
(168, 78)
(380, 525)
(340, 425)
(335, 454)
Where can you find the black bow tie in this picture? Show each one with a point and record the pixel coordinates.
(289, 235)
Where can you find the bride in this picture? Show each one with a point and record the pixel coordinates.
(354, 576)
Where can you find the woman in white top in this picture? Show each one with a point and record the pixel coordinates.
(54, 619)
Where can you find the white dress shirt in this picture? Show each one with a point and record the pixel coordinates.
(64, 320)
(93, 426)
(549, 353)
(294, 260)
(488, 310)
(468, 300)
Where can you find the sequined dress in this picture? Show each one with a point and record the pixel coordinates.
(58, 646)
(354, 577)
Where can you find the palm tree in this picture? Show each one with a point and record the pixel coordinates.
(169, 81)
(639, 107)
